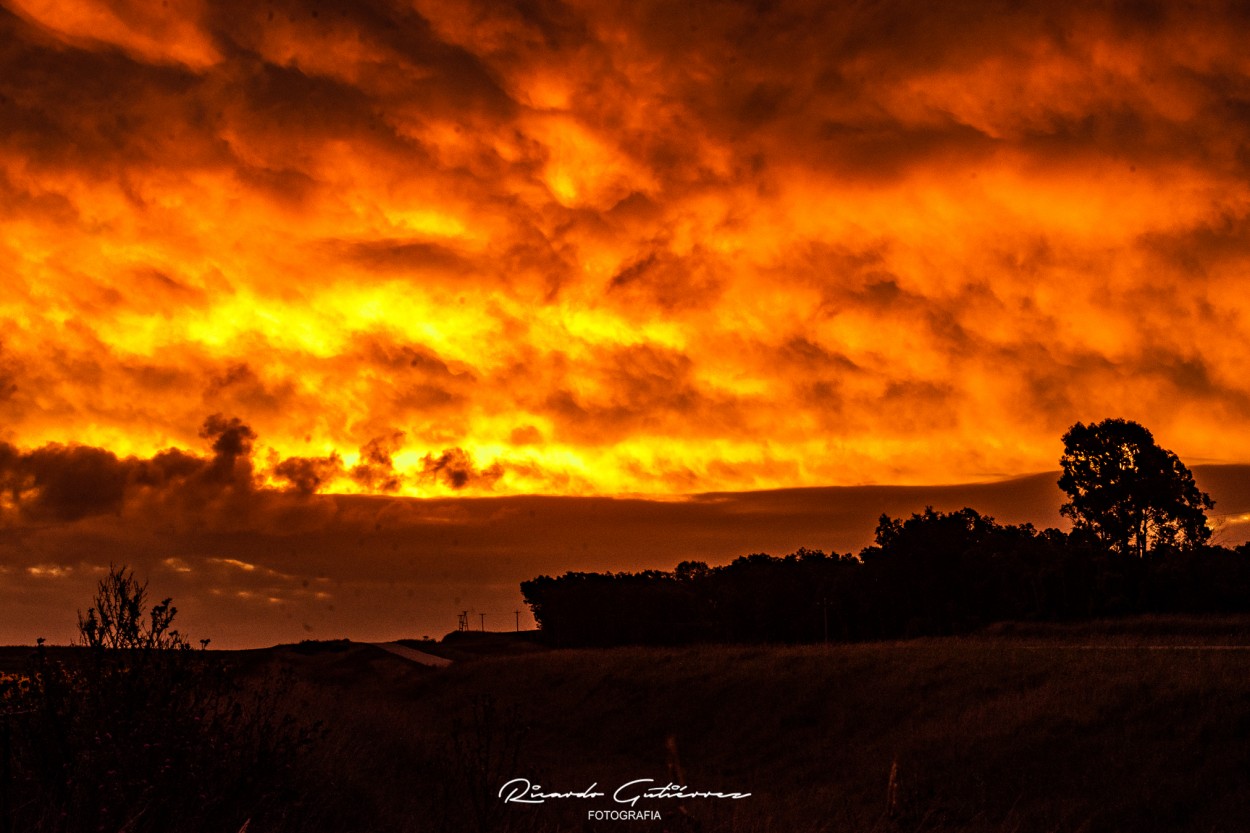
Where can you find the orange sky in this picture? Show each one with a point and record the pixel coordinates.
(455, 248)
(624, 248)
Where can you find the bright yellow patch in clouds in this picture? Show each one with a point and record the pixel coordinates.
(621, 248)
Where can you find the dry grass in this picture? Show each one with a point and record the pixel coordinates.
(1096, 732)
(1105, 728)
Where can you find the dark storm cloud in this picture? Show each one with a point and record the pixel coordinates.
(875, 91)
(810, 357)
(398, 357)
(83, 108)
(231, 445)
(391, 257)
(288, 187)
(219, 488)
(376, 469)
(55, 208)
(63, 483)
(258, 110)
(1055, 383)
(639, 389)
(71, 482)
(455, 467)
(241, 385)
(9, 370)
(162, 290)
(914, 405)
(1203, 249)
(307, 475)
(393, 43)
(826, 80)
(660, 279)
(412, 382)
(1192, 380)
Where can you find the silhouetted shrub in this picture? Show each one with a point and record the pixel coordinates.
(136, 731)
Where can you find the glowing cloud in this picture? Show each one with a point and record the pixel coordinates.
(609, 248)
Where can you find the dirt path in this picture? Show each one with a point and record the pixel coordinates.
(412, 654)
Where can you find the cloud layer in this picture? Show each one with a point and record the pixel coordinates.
(252, 565)
(452, 248)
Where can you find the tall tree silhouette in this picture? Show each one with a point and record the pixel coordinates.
(1129, 493)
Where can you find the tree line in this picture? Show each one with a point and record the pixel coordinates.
(1139, 543)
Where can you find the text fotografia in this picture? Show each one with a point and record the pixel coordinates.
(623, 815)
(521, 791)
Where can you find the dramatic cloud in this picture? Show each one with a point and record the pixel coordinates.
(485, 249)
(455, 468)
(251, 565)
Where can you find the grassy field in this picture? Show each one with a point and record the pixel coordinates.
(1124, 726)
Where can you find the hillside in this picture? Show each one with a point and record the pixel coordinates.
(1113, 726)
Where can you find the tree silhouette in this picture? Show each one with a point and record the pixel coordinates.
(937, 572)
(116, 620)
(1127, 492)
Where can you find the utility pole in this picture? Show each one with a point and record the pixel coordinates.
(483, 615)
(518, 621)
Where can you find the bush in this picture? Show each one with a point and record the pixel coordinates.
(137, 731)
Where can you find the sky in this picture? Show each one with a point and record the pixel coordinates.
(272, 271)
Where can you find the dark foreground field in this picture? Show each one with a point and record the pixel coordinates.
(1131, 727)
(1141, 726)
